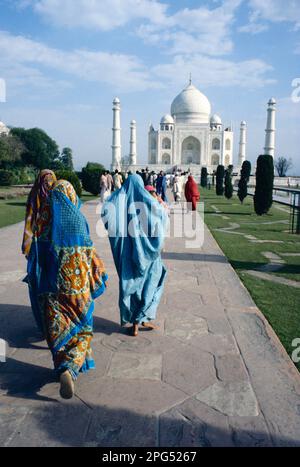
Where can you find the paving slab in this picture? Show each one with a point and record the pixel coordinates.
(214, 374)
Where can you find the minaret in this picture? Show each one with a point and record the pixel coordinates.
(270, 130)
(242, 150)
(132, 151)
(116, 136)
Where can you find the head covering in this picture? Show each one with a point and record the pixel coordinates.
(149, 188)
(136, 225)
(36, 199)
(191, 190)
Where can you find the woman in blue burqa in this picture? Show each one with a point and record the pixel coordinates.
(136, 225)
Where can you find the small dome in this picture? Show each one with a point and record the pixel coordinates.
(243, 123)
(272, 101)
(216, 120)
(133, 122)
(167, 119)
(116, 100)
(191, 106)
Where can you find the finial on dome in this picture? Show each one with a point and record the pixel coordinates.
(190, 80)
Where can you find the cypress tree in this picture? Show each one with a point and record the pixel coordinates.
(203, 181)
(220, 180)
(263, 196)
(228, 183)
(243, 182)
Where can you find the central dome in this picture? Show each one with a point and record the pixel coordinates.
(191, 106)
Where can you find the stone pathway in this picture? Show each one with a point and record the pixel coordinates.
(214, 374)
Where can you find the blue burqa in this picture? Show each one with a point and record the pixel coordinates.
(136, 225)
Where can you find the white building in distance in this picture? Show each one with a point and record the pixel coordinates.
(3, 129)
(190, 136)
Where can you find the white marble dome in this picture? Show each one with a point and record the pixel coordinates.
(191, 106)
(168, 119)
(215, 120)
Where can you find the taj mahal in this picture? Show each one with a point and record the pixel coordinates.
(189, 137)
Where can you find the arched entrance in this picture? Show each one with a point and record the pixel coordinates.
(166, 159)
(190, 150)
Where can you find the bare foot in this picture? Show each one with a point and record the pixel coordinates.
(150, 325)
(66, 385)
(135, 330)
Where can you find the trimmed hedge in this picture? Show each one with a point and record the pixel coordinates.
(203, 181)
(243, 182)
(263, 196)
(70, 177)
(91, 179)
(220, 180)
(228, 183)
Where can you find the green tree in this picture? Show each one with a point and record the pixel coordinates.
(263, 196)
(228, 182)
(11, 150)
(90, 177)
(203, 181)
(40, 150)
(220, 180)
(67, 158)
(243, 182)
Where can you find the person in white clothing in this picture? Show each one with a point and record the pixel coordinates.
(103, 187)
(118, 180)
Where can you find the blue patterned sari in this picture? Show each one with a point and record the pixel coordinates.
(65, 275)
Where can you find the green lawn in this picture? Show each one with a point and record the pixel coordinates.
(279, 303)
(13, 210)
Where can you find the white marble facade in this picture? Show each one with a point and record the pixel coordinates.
(190, 136)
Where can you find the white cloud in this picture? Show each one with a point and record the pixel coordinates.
(253, 28)
(199, 30)
(99, 14)
(209, 71)
(203, 29)
(125, 72)
(276, 11)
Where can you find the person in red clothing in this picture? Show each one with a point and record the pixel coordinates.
(191, 192)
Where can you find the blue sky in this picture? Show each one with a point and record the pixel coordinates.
(64, 61)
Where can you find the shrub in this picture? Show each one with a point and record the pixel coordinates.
(263, 196)
(203, 181)
(91, 179)
(228, 183)
(220, 180)
(6, 177)
(72, 178)
(243, 182)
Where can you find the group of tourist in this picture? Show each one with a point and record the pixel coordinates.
(156, 184)
(109, 183)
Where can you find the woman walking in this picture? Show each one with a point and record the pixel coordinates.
(136, 225)
(192, 194)
(103, 187)
(65, 275)
(36, 199)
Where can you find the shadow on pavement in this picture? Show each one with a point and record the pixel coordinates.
(76, 424)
